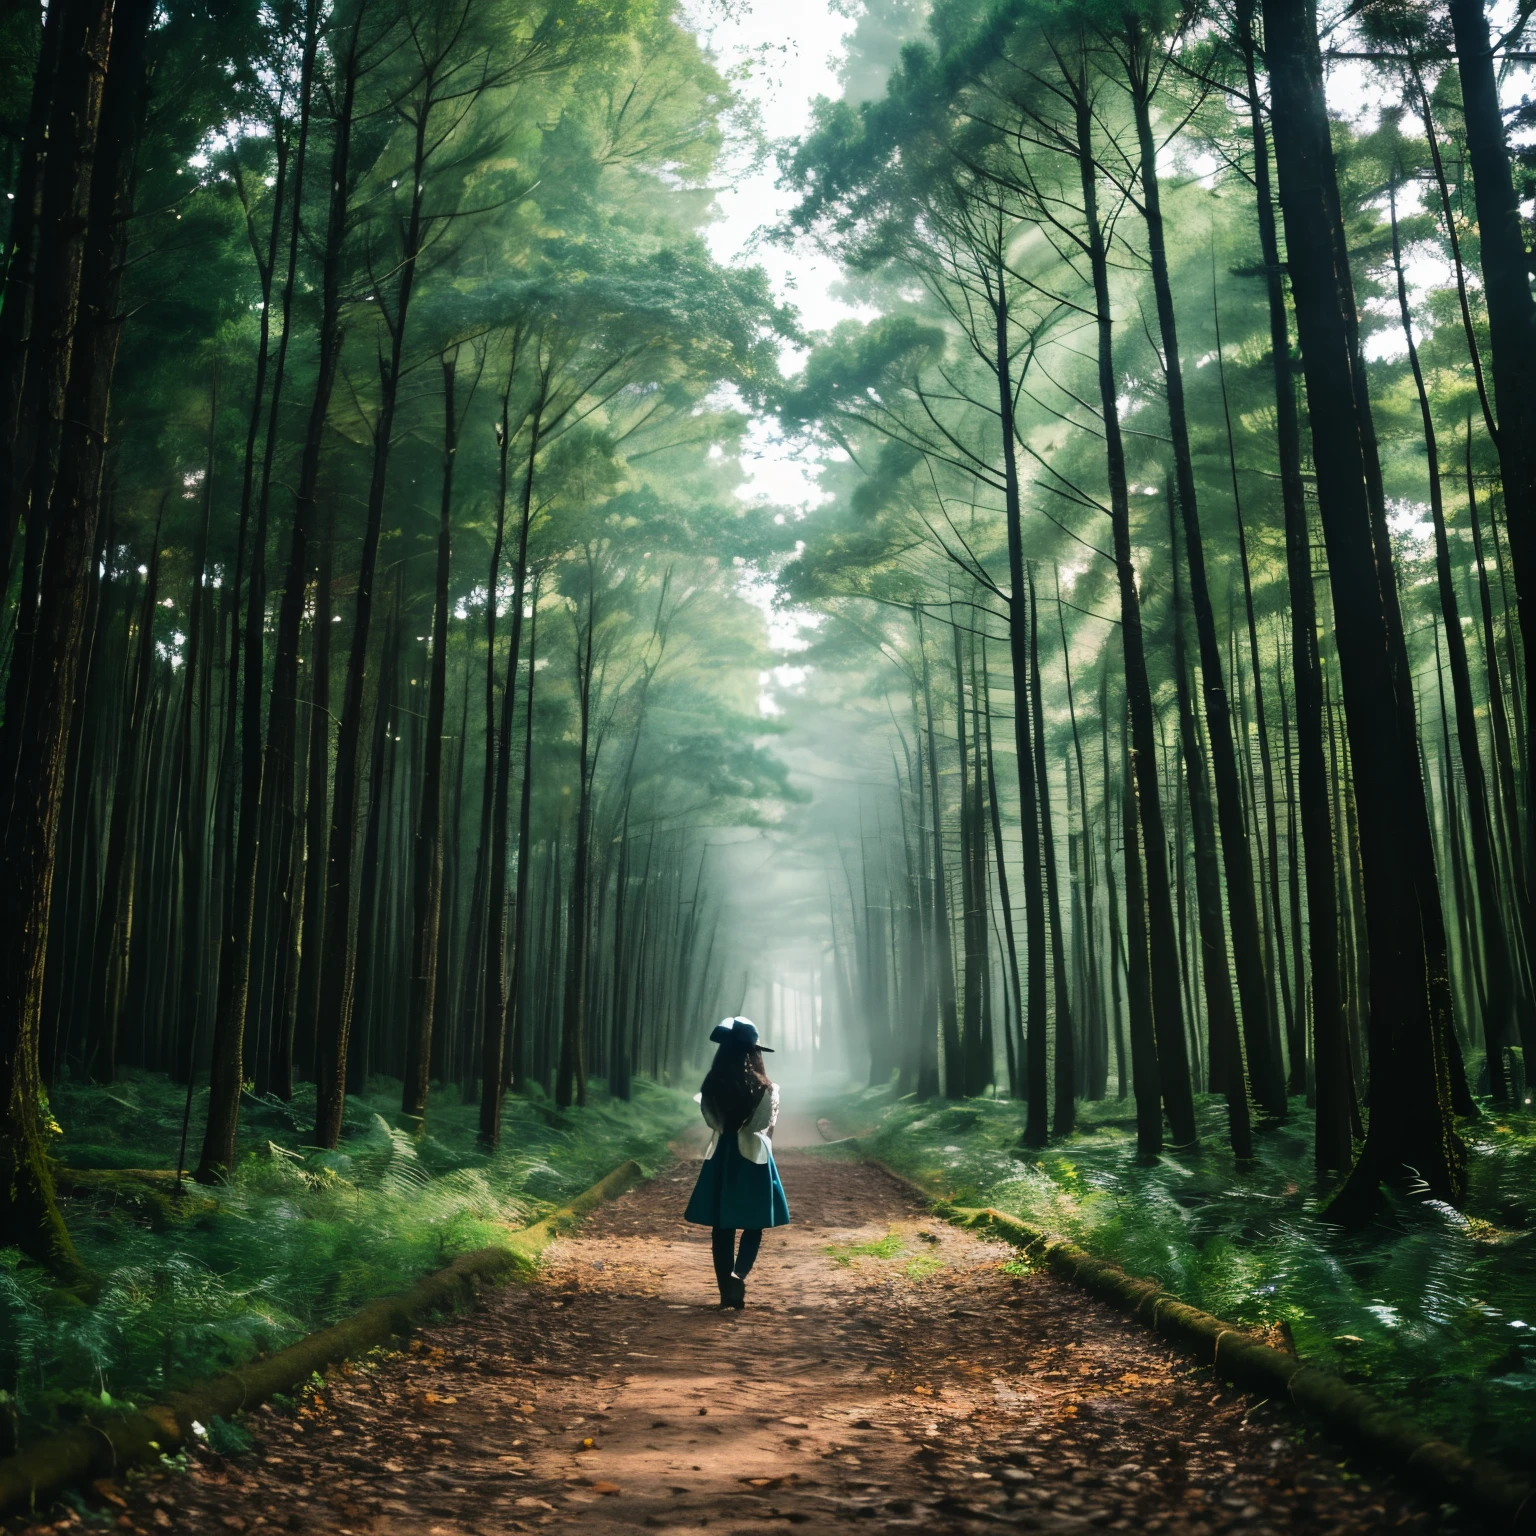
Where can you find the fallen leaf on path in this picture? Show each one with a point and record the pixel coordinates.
(605, 1488)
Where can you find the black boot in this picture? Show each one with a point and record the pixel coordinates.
(736, 1297)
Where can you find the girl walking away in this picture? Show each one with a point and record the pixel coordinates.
(738, 1188)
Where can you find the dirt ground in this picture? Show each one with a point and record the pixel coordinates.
(932, 1384)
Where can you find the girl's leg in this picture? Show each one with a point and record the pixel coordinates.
(722, 1240)
(746, 1257)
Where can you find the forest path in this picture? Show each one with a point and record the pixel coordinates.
(919, 1387)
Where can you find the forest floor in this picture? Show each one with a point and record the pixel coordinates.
(888, 1370)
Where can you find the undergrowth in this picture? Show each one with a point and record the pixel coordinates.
(297, 1238)
(1433, 1309)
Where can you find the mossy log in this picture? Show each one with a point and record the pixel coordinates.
(1505, 1501)
(105, 1447)
(151, 1193)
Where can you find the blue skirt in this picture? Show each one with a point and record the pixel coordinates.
(731, 1192)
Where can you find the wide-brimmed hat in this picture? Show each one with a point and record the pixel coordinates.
(742, 1032)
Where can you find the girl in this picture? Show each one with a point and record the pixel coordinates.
(738, 1185)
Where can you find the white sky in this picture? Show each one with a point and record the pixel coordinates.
(791, 49)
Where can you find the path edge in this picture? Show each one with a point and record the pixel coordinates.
(35, 1475)
(1482, 1487)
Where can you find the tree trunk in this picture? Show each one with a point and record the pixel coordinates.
(1412, 1125)
(114, 914)
(1167, 1010)
(1499, 1023)
(1253, 987)
(1144, 1074)
(26, 239)
(427, 876)
(942, 940)
(973, 1072)
(516, 1032)
(1064, 1118)
(1097, 1067)
(264, 770)
(40, 704)
(53, 217)
(571, 1077)
(495, 1009)
(1034, 1020)
(1225, 1051)
(1016, 991)
(1508, 797)
(1511, 315)
(337, 980)
(1334, 1148)
(191, 776)
(1112, 896)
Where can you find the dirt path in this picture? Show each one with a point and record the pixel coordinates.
(923, 1386)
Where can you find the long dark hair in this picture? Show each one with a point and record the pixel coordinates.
(735, 1084)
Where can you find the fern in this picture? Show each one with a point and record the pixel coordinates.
(299, 1237)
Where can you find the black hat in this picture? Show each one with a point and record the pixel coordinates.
(742, 1032)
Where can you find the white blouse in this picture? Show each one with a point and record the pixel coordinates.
(752, 1138)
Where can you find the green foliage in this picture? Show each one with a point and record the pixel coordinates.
(1434, 1309)
(887, 1247)
(916, 1265)
(296, 1240)
(226, 1438)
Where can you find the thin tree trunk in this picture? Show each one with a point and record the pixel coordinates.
(1122, 1059)
(1225, 1051)
(1034, 1018)
(262, 769)
(337, 981)
(427, 876)
(63, 25)
(495, 957)
(1156, 890)
(191, 781)
(1144, 1074)
(571, 1076)
(943, 957)
(1064, 1118)
(1253, 986)
(47, 277)
(963, 1073)
(1336, 1113)
(1015, 989)
(1499, 1023)
(1511, 313)
(114, 915)
(1098, 1066)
